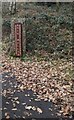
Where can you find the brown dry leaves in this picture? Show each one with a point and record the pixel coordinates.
(50, 80)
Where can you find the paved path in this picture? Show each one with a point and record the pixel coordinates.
(22, 99)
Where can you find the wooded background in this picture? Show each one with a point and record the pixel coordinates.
(48, 29)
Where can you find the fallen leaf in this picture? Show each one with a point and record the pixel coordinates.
(39, 110)
(22, 87)
(34, 108)
(5, 108)
(7, 117)
(66, 110)
(6, 114)
(28, 107)
(50, 109)
(16, 98)
(17, 102)
(7, 103)
(23, 103)
(14, 104)
(14, 109)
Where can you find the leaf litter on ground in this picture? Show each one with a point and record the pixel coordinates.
(50, 80)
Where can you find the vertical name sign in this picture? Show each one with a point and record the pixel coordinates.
(18, 39)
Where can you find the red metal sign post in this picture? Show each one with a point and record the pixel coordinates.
(18, 39)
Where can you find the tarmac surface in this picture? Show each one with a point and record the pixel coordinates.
(23, 104)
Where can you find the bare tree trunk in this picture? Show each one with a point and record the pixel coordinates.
(12, 7)
(57, 5)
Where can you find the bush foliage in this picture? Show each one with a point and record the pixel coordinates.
(46, 28)
(50, 32)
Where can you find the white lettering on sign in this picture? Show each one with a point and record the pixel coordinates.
(18, 39)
